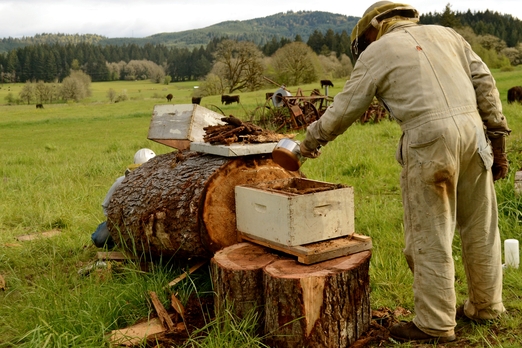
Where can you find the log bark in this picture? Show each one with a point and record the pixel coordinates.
(237, 278)
(182, 204)
(322, 305)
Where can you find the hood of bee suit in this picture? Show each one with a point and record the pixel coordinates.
(373, 16)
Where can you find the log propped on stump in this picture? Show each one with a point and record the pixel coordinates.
(322, 305)
(182, 204)
(237, 278)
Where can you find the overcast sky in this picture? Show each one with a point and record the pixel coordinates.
(138, 18)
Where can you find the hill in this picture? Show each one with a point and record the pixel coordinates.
(281, 25)
(258, 30)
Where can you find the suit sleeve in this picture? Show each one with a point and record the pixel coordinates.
(348, 106)
(488, 98)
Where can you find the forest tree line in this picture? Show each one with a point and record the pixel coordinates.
(52, 63)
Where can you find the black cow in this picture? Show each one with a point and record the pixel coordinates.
(326, 83)
(196, 100)
(229, 99)
(514, 94)
(39, 106)
(169, 97)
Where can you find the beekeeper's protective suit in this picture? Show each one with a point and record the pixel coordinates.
(445, 100)
(101, 237)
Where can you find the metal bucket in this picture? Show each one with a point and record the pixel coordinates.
(287, 154)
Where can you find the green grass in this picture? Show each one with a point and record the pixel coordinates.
(58, 163)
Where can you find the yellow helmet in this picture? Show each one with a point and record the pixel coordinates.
(372, 16)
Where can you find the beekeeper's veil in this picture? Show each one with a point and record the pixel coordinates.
(380, 16)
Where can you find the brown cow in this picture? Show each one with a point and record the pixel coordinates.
(229, 99)
(39, 106)
(196, 100)
(514, 94)
(169, 97)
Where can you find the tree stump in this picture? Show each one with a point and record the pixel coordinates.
(237, 278)
(322, 305)
(182, 204)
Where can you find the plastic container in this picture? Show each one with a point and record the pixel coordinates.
(511, 253)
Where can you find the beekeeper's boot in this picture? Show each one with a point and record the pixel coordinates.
(407, 331)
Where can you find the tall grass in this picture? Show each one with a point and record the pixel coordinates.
(58, 163)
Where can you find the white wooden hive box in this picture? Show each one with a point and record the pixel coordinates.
(295, 211)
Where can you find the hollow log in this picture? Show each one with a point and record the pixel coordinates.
(322, 305)
(237, 278)
(182, 204)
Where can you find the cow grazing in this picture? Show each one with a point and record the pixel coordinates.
(514, 94)
(229, 99)
(169, 97)
(326, 83)
(39, 106)
(196, 100)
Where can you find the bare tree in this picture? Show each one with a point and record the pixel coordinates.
(492, 42)
(296, 63)
(76, 86)
(27, 92)
(334, 67)
(42, 91)
(143, 70)
(241, 65)
(55, 91)
(213, 84)
(111, 94)
(115, 69)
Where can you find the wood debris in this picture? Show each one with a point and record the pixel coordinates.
(163, 315)
(114, 255)
(237, 131)
(184, 275)
(47, 234)
(177, 305)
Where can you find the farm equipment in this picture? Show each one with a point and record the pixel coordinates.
(284, 111)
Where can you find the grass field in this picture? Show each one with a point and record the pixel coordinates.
(57, 164)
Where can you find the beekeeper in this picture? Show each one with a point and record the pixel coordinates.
(445, 100)
(101, 237)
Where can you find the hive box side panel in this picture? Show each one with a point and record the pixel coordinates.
(321, 216)
(181, 122)
(262, 214)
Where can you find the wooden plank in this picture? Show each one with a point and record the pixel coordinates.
(47, 234)
(163, 315)
(319, 251)
(184, 275)
(114, 255)
(233, 150)
(135, 334)
(174, 143)
(177, 305)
